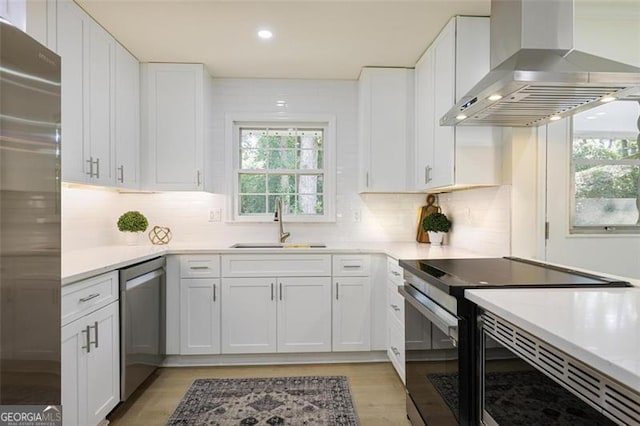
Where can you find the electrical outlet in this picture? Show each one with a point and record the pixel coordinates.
(357, 215)
(215, 215)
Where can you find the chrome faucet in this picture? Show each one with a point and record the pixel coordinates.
(278, 218)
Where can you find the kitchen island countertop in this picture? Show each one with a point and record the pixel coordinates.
(600, 327)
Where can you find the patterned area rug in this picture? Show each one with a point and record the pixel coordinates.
(313, 400)
(526, 398)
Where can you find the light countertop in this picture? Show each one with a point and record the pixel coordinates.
(600, 327)
(81, 264)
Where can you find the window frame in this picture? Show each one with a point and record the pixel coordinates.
(613, 229)
(232, 131)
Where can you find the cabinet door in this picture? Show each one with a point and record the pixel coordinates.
(444, 95)
(385, 99)
(14, 11)
(248, 315)
(304, 314)
(351, 314)
(173, 130)
(74, 368)
(100, 103)
(424, 124)
(72, 46)
(199, 316)
(127, 118)
(102, 381)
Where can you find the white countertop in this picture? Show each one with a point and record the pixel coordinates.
(600, 327)
(81, 264)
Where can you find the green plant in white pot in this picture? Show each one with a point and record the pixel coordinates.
(133, 224)
(436, 225)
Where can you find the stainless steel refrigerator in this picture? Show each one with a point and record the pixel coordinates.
(29, 220)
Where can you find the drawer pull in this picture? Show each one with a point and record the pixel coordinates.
(395, 351)
(198, 267)
(396, 273)
(395, 307)
(89, 297)
(351, 266)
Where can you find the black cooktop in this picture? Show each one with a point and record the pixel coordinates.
(455, 275)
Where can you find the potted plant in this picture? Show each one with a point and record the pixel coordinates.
(436, 225)
(132, 223)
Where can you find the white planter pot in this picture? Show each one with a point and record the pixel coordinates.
(435, 238)
(132, 238)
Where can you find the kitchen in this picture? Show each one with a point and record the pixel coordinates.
(190, 188)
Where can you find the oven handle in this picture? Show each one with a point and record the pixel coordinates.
(439, 317)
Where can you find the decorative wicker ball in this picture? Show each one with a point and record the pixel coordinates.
(160, 235)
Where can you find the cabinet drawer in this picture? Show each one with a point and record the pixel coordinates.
(276, 265)
(346, 265)
(395, 304)
(86, 296)
(200, 266)
(394, 271)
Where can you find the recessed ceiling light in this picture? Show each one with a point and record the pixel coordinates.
(460, 117)
(281, 103)
(607, 99)
(265, 34)
(591, 117)
(495, 97)
(555, 118)
(601, 113)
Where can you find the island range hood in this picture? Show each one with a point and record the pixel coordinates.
(536, 75)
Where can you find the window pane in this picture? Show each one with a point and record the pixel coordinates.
(253, 159)
(253, 184)
(310, 204)
(606, 195)
(310, 159)
(282, 159)
(282, 183)
(252, 204)
(288, 203)
(310, 184)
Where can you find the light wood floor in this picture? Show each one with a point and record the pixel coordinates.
(378, 392)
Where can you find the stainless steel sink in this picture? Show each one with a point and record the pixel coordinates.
(276, 245)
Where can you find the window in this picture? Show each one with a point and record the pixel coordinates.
(286, 161)
(605, 169)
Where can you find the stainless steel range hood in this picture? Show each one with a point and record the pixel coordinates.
(536, 76)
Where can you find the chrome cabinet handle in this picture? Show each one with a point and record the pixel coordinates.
(95, 327)
(271, 291)
(395, 307)
(89, 297)
(395, 350)
(396, 273)
(90, 172)
(214, 292)
(367, 185)
(121, 170)
(198, 267)
(429, 178)
(199, 181)
(87, 339)
(337, 289)
(280, 291)
(351, 266)
(97, 168)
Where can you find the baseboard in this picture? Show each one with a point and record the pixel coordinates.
(273, 359)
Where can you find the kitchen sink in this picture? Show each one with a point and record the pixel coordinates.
(276, 245)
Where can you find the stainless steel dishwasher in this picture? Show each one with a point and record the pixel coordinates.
(142, 318)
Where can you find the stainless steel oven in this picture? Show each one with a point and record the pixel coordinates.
(432, 355)
(526, 381)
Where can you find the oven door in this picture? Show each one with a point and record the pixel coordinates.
(514, 392)
(431, 361)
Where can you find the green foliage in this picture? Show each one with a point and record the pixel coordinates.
(436, 222)
(133, 221)
(608, 181)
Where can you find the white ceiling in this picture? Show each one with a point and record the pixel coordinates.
(312, 39)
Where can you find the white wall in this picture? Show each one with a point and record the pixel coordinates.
(481, 219)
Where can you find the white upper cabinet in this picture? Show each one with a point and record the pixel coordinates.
(127, 119)
(174, 99)
(386, 129)
(14, 11)
(449, 157)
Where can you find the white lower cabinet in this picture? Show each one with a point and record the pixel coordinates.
(91, 366)
(288, 314)
(200, 316)
(352, 314)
